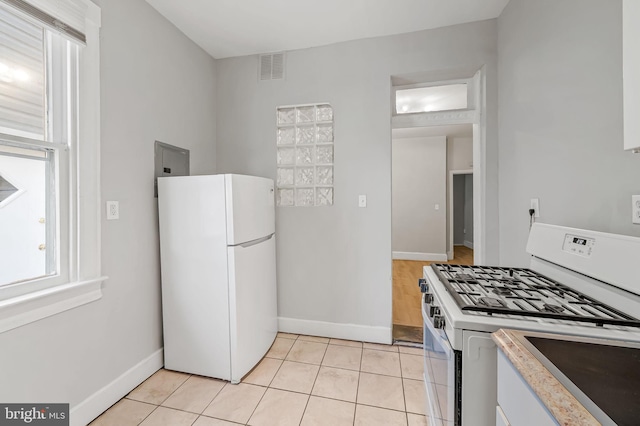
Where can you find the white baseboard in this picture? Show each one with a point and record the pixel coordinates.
(336, 330)
(450, 255)
(405, 255)
(104, 398)
(468, 244)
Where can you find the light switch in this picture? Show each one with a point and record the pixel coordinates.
(362, 201)
(437, 207)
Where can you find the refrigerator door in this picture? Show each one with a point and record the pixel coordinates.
(195, 300)
(250, 208)
(252, 304)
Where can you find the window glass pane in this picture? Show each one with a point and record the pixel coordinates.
(24, 215)
(434, 98)
(22, 77)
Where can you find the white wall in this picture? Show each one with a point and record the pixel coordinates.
(560, 67)
(419, 183)
(459, 153)
(156, 84)
(334, 263)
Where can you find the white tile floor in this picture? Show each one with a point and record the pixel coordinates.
(302, 381)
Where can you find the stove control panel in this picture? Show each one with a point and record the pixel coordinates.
(581, 246)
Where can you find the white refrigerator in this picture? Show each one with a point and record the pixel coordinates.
(218, 262)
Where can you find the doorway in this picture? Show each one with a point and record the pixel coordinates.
(434, 137)
(461, 211)
(431, 167)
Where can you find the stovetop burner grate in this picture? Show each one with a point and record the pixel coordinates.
(521, 291)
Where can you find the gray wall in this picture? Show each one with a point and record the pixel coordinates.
(463, 209)
(334, 263)
(156, 84)
(419, 182)
(468, 209)
(560, 67)
(459, 157)
(458, 209)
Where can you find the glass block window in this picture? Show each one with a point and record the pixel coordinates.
(305, 155)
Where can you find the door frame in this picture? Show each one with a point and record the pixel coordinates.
(477, 117)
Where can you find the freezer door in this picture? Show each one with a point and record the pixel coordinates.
(250, 208)
(253, 311)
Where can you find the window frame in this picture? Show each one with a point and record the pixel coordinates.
(79, 278)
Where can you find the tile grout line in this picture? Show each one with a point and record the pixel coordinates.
(314, 383)
(355, 407)
(147, 416)
(268, 387)
(214, 397)
(160, 404)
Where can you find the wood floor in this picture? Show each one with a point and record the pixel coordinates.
(407, 304)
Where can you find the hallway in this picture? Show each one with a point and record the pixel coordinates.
(407, 306)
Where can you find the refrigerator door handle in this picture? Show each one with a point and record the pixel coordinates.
(254, 242)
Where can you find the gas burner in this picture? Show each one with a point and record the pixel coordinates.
(464, 277)
(491, 302)
(509, 278)
(502, 291)
(524, 292)
(556, 309)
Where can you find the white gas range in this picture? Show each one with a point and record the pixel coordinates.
(579, 282)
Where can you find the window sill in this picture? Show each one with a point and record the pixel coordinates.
(22, 310)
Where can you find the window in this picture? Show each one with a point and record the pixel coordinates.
(46, 73)
(305, 155)
(432, 98)
(37, 112)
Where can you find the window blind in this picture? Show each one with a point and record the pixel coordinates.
(65, 16)
(22, 78)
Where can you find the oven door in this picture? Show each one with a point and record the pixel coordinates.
(442, 376)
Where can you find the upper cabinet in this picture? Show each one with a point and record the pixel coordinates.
(631, 73)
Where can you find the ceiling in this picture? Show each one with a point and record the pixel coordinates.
(455, 130)
(227, 28)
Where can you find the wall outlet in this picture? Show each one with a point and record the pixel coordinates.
(535, 205)
(113, 210)
(362, 201)
(635, 209)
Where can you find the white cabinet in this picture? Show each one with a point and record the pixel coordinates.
(631, 72)
(517, 403)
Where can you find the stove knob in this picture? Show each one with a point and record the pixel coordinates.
(422, 283)
(438, 321)
(428, 298)
(434, 311)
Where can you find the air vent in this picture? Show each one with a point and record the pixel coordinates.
(272, 66)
